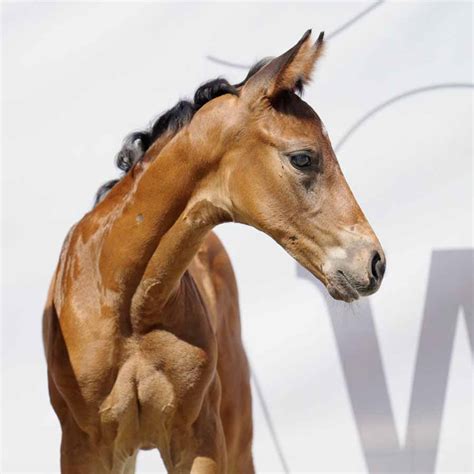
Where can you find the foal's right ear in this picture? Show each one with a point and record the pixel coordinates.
(290, 71)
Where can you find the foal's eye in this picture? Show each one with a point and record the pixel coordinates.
(301, 160)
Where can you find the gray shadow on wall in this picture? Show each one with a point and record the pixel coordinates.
(449, 289)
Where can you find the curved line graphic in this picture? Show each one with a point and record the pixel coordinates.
(268, 419)
(349, 23)
(227, 63)
(337, 31)
(404, 95)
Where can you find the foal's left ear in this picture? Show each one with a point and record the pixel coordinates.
(290, 71)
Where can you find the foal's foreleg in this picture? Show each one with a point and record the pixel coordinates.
(200, 448)
(80, 455)
(202, 451)
(210, 455)
(130, 464)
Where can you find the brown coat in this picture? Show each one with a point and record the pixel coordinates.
(141, 327)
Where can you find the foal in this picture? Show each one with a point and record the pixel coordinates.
(141, 327)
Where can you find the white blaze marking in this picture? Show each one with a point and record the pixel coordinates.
(336, 253)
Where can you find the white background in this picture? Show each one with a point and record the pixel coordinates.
(78, 77)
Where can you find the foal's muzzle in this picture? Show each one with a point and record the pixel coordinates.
(359, 274)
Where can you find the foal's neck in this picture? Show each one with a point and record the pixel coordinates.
(159, 219)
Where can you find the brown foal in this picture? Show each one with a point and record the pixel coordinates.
(141, 327)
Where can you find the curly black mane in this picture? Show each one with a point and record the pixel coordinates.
(136, 144)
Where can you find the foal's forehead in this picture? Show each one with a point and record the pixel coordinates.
(294, 106)
(294, 115)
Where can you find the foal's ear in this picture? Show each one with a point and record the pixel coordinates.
(290, 71)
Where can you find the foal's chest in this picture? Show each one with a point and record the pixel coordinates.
(161, 383)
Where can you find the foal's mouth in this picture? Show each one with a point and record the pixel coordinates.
(340, 288)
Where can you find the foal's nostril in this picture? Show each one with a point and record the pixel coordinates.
(377, 266)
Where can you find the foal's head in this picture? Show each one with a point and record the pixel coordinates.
(279, 173)
(262, 155)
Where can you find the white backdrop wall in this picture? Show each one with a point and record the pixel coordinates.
(381, 386)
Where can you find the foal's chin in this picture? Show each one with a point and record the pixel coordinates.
(344, 287)
(336, 283)
(343, 292)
